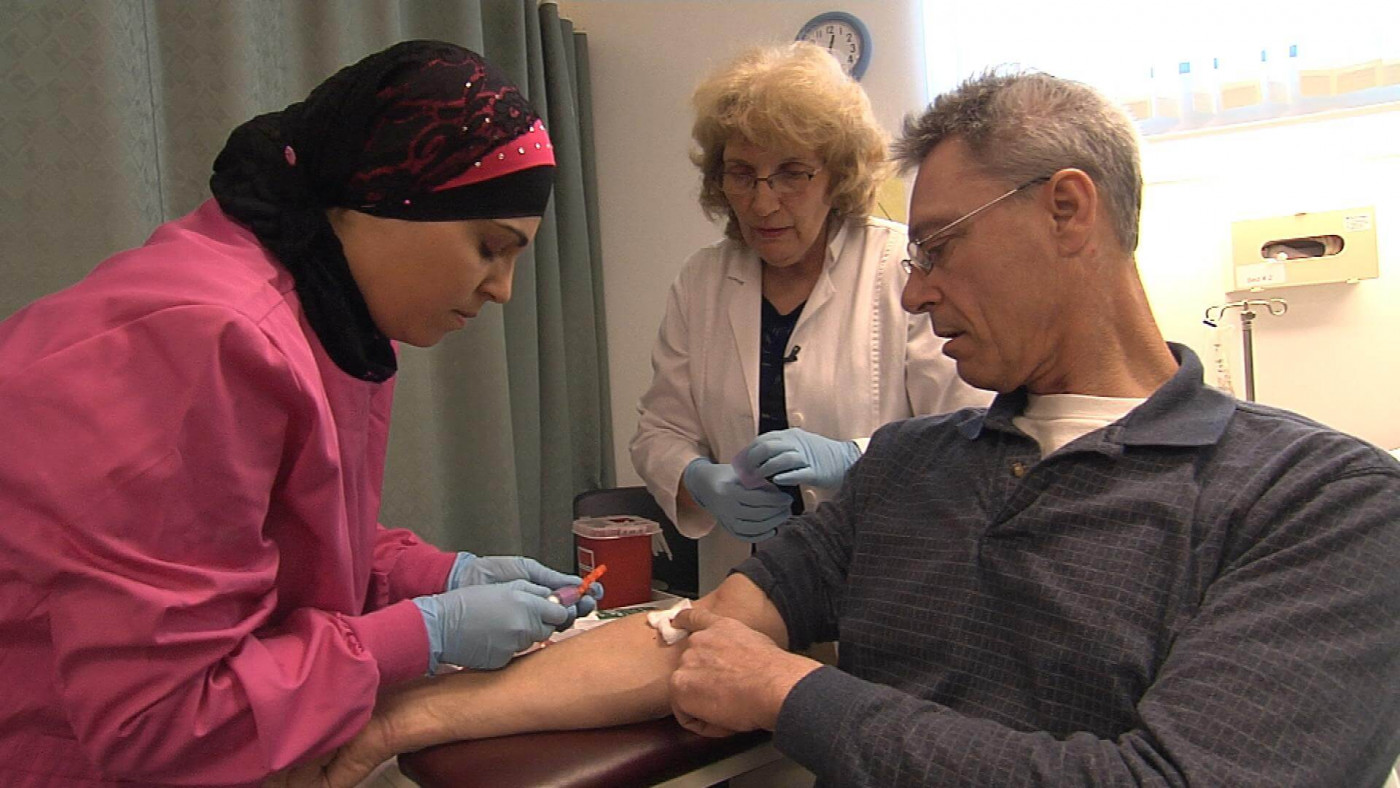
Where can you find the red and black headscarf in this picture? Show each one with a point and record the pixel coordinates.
(422, 131)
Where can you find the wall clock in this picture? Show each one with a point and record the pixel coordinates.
(844, 36)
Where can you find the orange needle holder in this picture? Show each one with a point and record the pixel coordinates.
(568, 595)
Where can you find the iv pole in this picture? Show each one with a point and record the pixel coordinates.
(1275, 306)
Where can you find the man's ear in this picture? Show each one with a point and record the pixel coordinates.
(1074, 205)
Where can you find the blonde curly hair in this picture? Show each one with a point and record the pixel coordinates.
(790, 96)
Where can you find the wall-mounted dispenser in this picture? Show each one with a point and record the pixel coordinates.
(1305, 249)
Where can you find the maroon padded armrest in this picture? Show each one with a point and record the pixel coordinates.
(641, 754)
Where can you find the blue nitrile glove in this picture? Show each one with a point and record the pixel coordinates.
(483, 626)
(796, 456)
(751, 515)
(475, 570)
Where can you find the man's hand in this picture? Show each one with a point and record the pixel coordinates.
(344, 768)
(354, 762)
(307, 775)
(731, 678)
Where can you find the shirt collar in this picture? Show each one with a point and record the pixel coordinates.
(838, 232)
(1182, 412)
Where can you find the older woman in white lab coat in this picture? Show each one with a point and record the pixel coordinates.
(789, 330)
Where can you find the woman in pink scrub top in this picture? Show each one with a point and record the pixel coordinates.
(194, 587)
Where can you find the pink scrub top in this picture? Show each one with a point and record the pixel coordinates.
(194, 587)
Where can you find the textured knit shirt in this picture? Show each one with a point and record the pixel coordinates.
(1203, 593)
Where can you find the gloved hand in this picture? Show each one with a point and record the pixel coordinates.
(475, 570)
(796, 456)
(751, 515)
(483, 626)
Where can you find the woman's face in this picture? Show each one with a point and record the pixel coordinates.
(424, 279)
(782, 229)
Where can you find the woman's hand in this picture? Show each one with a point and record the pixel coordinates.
(795, 456)
(483, 626)
(751, 515)
(475, 570)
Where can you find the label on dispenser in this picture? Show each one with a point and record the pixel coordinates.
(1260, 275)
(1357, 222)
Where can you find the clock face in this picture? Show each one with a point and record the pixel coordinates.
(846, 41)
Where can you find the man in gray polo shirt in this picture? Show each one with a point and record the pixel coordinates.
(1113, 575)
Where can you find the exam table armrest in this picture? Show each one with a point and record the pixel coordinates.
(640, 754)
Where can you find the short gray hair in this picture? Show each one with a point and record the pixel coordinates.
(1024, 125)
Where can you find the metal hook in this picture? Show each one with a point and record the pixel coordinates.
(1275, 306)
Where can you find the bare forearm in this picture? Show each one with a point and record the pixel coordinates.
(738, 598)
(612, 675)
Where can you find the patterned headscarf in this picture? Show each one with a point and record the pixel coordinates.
(422, 131)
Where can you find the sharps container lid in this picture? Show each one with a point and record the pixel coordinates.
(616, 526)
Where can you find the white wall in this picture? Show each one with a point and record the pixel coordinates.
(1334, 357)
(646, 56)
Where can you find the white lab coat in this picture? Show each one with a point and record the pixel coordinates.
(863, 362)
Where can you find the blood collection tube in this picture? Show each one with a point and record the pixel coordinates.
(569, 595)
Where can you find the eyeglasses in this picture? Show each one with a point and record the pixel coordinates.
(784, 183)
(923, 258)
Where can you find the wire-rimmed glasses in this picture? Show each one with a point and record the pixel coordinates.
(784, 182)
(920, 256)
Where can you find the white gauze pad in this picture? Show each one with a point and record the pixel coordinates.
(660, 620)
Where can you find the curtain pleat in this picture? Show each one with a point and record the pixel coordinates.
(80, 176)
(589, 173)
(114, 112)
(580, 350)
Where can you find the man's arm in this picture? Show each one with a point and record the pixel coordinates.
(1272, 681)
(626, 665)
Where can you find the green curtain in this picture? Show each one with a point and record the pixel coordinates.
(113, 111)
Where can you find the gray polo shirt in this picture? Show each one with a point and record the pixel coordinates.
(1206, 592)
